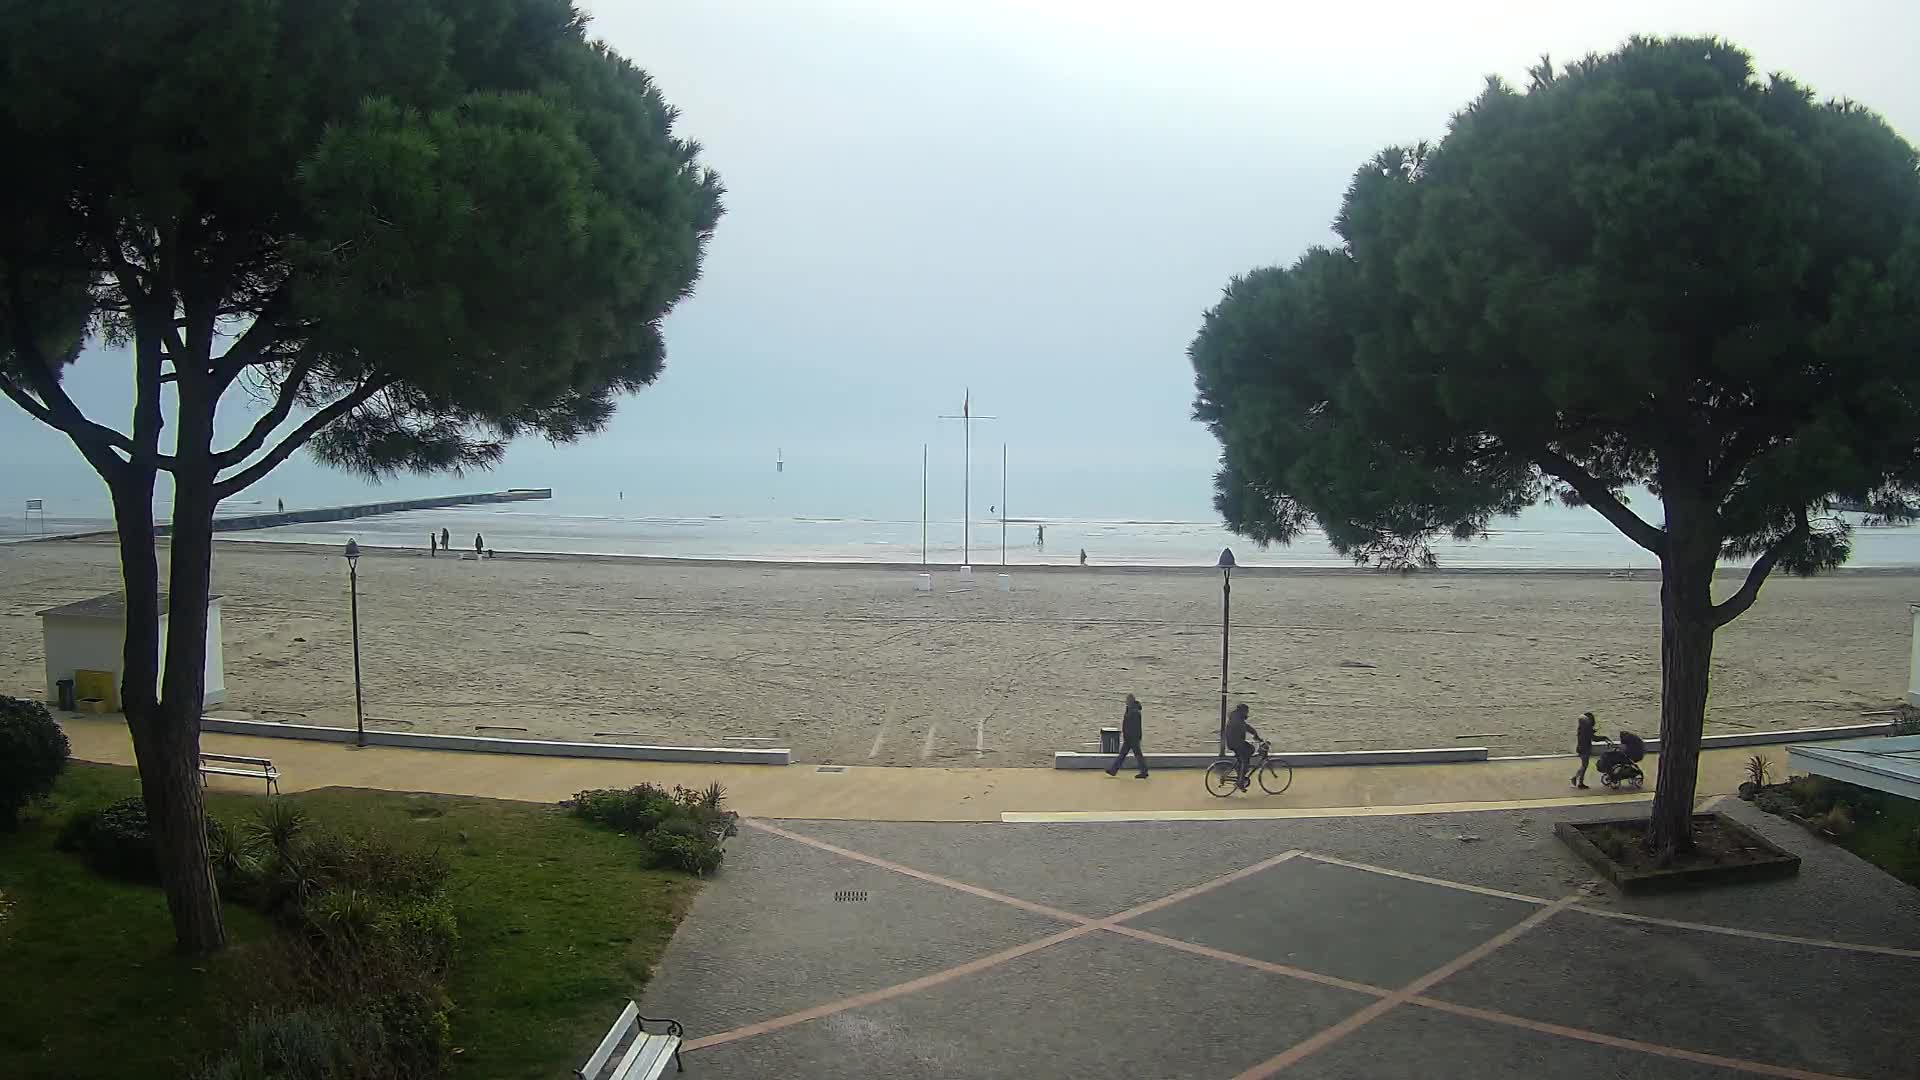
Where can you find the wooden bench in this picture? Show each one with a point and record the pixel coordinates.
(644, 1057)
(253, 768)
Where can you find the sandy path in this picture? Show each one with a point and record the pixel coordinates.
(851, 665)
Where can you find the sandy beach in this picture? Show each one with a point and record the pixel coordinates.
(849, 664)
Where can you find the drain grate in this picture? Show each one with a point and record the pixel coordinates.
(850, 896)
(829, 768)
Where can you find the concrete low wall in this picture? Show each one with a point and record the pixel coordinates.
(1065, 759)
(720, 755)
(1792, 735)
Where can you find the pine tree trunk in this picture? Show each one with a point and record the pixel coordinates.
(169, 756)
(166, 744)
(1686, 660)
(180, 829)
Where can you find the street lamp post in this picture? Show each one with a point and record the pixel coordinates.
(1226, 623)
(353, 591)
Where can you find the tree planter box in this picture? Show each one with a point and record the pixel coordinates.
(1735, 854)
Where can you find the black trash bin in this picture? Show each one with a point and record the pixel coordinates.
(65, 687)
(1109, 740)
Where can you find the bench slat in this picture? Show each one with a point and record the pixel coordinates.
(591, 1070)
(237, 759)
(647, 1058)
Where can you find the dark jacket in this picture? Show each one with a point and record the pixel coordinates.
(1583, 738)
(1130, 723)
(1237, 729)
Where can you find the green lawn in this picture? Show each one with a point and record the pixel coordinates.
(559, 925)
(1886, 839)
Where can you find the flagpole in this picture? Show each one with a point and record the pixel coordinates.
(923, 504)
(966, 419)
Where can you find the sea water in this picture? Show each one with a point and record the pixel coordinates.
(1151, 515)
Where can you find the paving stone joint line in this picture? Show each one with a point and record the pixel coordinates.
(1326, 1037)
(1413, 993)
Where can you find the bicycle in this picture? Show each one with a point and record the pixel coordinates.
(1274, 774)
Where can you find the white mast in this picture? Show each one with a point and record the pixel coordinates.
(966, 419)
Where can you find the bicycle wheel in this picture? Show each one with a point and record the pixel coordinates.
(1276, 776)
(1223, 778)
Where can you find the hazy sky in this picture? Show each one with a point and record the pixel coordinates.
(1038, 200)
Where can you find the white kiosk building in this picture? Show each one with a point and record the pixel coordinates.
(87, 636)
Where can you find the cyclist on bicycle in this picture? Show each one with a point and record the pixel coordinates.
(1237, 731)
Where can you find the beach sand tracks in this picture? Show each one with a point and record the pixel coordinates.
(817, 659)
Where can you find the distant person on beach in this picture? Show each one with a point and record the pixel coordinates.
(1083, 556)
(1039, 536)
(446, 542)
(479, 548)
(1130, 739)
(433, 545)
(280, 505)
(1237, 731)
(1583, 745)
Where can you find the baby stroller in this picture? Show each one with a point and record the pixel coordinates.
(1619, 765)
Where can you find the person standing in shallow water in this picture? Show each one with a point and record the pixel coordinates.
(1130, 739)
(479, 548)
(446, 542)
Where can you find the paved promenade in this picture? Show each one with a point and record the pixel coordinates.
(919, 793)
(1372, 923)
(1466, 945)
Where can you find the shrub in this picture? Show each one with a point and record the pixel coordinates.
(682, 831)
(234, 868)
(684, 843)
(1838, 821)
(375, 865)
(1759, 770)
(306, 1044)
(342, 918)
(634, 810)
(1813, 793)
(423, 928)
(276, 825)
(416, 1033)
(118, 842)
(318, 861)
(33, 751)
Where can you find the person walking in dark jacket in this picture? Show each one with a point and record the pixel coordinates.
(1583, 745)
(479, 546)
(1130, 739)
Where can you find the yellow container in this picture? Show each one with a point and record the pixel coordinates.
(99, 685)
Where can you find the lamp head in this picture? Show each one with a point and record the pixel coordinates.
(352, 552)
(1226, 559)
